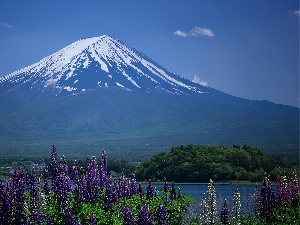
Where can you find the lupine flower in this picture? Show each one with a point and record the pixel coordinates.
(140, 190)
(204, 214)
(69, 217)
(211, 203)
(145, 216)
(173, 192)
(256, 201)
(49, 220)
(266, 199)
(163, 216)
(294, 184)
(46, 176)
(236, 207)
(282, 190)
(109, 198)
(17, 197)
(127, 216)
(92, 180)
(36, 217)
(166, 187)
(33, 190)
(150, 190)
(92, 220)
(5, 204)
(224, 214)
(133, 186)
(54, 166)
(179, 192)
(123, 190)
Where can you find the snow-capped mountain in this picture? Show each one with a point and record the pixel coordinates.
(97, 62)
(94, 94)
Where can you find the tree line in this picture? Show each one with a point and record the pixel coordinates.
(197, 163)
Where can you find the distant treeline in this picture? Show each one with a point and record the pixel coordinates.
(192, 163)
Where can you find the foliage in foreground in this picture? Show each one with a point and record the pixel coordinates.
(87, 196)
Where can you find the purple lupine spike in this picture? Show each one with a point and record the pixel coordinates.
(75, 172)
(140, 190)
(127, 216)
(150, 190)
(36, 217)
(92, 220)
(49, 220)
(5, 204)
(133, 186)
(166, 187)
(173, 192)
(69, 217)
(54, 167)
(109, 198)
(224, 214)
(294, 184)
(163, 216)
(123, 188)
(282, 190)
(46, 176)
(78, 222)
(256, 201)
(16, 192)
(33, 191)
(267, 198)
(145, 216)
(93, 180)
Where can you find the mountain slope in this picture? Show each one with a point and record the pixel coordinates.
(97, 62)
(99, 93)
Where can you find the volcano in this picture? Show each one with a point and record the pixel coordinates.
(100, 93)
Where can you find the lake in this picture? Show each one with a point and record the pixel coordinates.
(223, 191)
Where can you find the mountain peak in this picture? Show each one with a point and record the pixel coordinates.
(95, 62)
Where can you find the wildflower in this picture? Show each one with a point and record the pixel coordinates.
(266, 199)
(123, 188)
(127, 216)
(163, 217)
(211, 203)
(109, 198)
(294, 184)
(36, 217)
(145, 216)
(5, 204)
(92, 220)
(33, 190)
(173, 192)
(282, 190)
(224, 214)
(69, 217)
(150, 190)
(204, 214)
(236, 207)
(133, 186)
(140, 190)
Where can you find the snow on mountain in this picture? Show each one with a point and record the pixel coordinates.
(97, 62)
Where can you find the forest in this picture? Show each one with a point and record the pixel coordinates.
(197, 163)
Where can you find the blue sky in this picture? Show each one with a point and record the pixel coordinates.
(248, 49)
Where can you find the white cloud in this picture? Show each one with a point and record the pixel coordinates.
(198, 31)
(180, 33)
(195, 32)
(6, 25)
(296, 12)
(198, 80)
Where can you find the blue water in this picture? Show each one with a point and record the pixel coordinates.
(222, 191)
